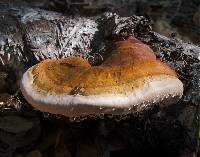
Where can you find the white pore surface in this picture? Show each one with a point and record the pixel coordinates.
(153, 91)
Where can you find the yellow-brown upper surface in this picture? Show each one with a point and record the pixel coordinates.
(126, 69)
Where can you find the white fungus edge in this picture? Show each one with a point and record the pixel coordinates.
(153, 91)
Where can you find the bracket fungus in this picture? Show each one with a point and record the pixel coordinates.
(129, 80)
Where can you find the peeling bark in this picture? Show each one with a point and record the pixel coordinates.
(29, 35)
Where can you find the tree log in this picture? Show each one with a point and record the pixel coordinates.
(29, 35)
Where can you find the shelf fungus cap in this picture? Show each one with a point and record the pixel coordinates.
(129, 80)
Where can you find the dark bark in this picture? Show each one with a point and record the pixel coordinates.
(28, 36)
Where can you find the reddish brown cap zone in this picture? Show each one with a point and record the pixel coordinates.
(127, 81)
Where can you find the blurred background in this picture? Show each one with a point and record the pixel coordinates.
(169, 17)
(26, 134)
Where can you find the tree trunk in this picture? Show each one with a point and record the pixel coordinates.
(29, 35)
